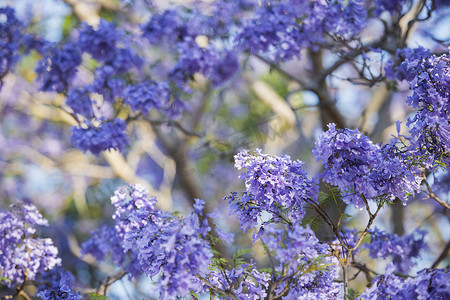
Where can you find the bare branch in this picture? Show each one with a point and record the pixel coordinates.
(431, 194)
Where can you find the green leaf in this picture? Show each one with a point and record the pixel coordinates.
(241, 252)
(267, 270)
(4, 279)
(352, 294)
(94, 296)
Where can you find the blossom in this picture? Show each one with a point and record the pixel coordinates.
(57, 285)
(145, 96)
(244, 281)
(107, 135)
(99, 43)
(363, 170)
(24, 256)
(161, 246)
(299, 252)
(402, 249)
(79, 101)
(11, 36)
(428, 284)
(275, 185)
(430, 126)
(58, 67)
(283, 28)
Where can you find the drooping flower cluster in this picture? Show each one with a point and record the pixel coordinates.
(57, 285)
(172, 25)
(11, 36)
(79, 101)
(428, 284)
(306, 262)
(179, 28)
(430, 126)
(146, 96)
(363, 170)
(107, 135)
(402, 249)
(275, 185)
(105, 245)
(58, 67)
(283, 28)
(109, 46)
(22, 255)
(403, 70)
(171, 249)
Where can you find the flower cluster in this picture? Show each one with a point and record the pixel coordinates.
(283, 28)
(103, 45)
(22, 255)
(79, 101)
(146, 96)
(107, 135)
(430, 126)
(171, 26)
(402, 249)
(298, 251)
(362, 170)
(10, 39)
(105, 245)
(58, 67)
(179, 28)
(171, 249)
(428, 284)
(275, 185)
(243, 282)
(57, 285)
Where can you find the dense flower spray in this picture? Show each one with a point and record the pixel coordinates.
(24, 256)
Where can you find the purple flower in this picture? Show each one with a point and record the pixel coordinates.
(283, 28)
(145, 96)
(24, 256)
(107, 135)
(225, 67)
(363, 170)
(161, 246)
(57, 285)
(106, 84)
(106, 45)
(428, 284)
(79, 101)
(430, 126)
(58, 66)
(402, 249)
(100, 43)
(299, 252)
(11, 36)
(274, 184)
(170, 25)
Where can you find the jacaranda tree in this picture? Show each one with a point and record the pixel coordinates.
(121, 121)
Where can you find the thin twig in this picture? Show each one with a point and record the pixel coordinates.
(105, 284)
(442, 256)
(431, 194)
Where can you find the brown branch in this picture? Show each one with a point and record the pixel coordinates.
(212, 287)
(442, 256)
(366, 230)
(431, 194)
(104, 285)
(25, 295)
